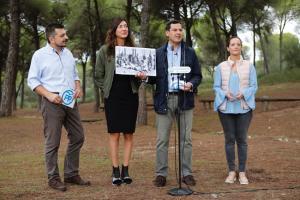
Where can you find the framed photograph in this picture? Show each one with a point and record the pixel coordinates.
(131, 60)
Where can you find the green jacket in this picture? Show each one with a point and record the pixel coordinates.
(105, 70)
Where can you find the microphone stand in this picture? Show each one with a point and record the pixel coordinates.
(180, 191)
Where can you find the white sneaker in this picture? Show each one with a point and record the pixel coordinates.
(243, 179)
(231, 178)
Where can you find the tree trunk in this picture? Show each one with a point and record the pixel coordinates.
(176, 6)
(22, 88)
(14, 92)
(261, 39)
(223, 27)
(283, 18)
(188, 38)
(142, 118)
(36, 39)
(93, 49)
(233, 29)
(188, 26)
(0, 82)
(99, 95)
(83, 63)
(254, 42)
(12, 60)
(98, 23)
(128, 11)
(280, 49)
(220, 43)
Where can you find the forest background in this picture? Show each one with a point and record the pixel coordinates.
(208, 25)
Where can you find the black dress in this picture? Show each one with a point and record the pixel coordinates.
(121, 106)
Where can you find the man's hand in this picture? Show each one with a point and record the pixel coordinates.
(54, 98)
(78, 93)
(187, 86)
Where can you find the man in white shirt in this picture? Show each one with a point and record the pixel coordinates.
(52, 74)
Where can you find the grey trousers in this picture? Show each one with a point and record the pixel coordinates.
(164, 125)
(235, 128)
(55, 116)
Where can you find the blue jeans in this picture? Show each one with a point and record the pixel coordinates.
(235, 128)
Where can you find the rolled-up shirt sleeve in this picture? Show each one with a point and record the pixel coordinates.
(220, 95)
(249, 92)
(34, 74)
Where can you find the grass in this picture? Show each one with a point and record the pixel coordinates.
(285, 76)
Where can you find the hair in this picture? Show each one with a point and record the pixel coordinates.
(111, 38)
(50, 29)
(168, 25)
(233, 37)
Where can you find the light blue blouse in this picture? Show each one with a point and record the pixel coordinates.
(234, 107)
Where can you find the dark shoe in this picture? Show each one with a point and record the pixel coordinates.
(77, 180)
(189, 180)
(125, 175)
(116, 178)
(160, 181)
(56, 184)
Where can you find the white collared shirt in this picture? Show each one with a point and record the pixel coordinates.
(52, 70)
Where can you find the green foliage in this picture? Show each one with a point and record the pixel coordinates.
(89, 81)
(32, 7)
(205, 44)
(292, 75)
(156, 33)
(59, 12)
(74, 14)
(290, 52)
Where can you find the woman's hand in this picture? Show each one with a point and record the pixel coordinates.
(239, 96)
(230, 96)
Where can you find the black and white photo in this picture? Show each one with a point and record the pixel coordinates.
(130, 60)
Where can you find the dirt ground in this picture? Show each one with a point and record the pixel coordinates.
(273, 156)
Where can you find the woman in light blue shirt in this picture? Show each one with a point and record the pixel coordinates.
(235, 85)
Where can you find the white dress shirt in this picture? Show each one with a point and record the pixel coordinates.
(53, 71)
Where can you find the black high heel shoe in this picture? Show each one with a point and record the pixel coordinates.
(125, 175)
(116, 178)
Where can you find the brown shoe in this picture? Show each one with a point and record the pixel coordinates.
(56, 184)
(77, 180)
(189, 180)
(160, 181)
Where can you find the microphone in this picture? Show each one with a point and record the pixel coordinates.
(173, 49)
(179, 70)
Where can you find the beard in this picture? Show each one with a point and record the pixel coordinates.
(62, 44)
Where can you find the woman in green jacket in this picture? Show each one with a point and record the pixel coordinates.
(120, 97)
